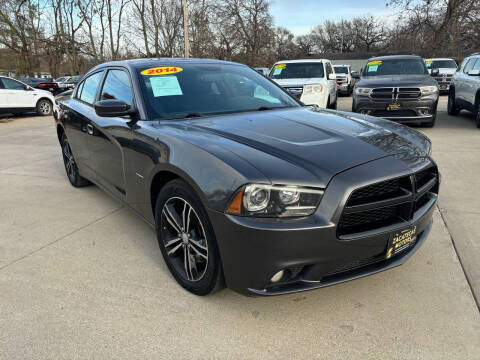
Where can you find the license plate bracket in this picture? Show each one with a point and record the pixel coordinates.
(393, 107)
(401, 241)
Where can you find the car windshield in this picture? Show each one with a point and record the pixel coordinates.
(340, 69)
(192, 90)
(441, 64)
(395, 67)
(297, 71)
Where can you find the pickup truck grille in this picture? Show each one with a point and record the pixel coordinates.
(295, 91)
(394, 94)
(388, 202)
(443, 79)
(341, 80)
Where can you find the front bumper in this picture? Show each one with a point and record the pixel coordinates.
(254, 249)
(423, 109)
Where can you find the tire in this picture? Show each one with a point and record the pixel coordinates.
(452, 108)
(477, 118)
(334, 104)
(431, 123)
(192, 255)
(44, 107)
(71, 166)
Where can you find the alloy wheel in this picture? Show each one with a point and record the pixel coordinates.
(69, 161)
(44, 107)
(184, 238)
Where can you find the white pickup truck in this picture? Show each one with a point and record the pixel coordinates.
(345, 79)
(311, 81)
(442, 70)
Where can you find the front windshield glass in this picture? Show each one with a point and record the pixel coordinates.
(297, 71)
(395, 67)
(340, 69)
(441, 64)
(191, 90)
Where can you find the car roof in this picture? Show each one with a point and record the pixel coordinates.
(301, 61)
(138, 63)
(433, 59)
(393, 57)
(341, 65)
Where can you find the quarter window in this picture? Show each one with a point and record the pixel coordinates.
(89, 88)
(12, 84)
(477, 65)
(117, 87)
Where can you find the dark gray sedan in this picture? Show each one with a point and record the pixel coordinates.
(245, 186)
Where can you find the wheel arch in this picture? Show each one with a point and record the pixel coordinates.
(44, 98)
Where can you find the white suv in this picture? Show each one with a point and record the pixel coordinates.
(311, 81)
(17, 98)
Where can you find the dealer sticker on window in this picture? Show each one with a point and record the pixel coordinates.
(164, 70)
(401, 241)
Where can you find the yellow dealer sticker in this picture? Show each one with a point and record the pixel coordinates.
(376, 62)
(164, 70)
(280, 66)
(428, 61)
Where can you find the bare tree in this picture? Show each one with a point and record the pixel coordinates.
(369, 32)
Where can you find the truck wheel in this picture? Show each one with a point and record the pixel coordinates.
(477, 118)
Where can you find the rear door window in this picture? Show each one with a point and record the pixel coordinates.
(12, 84)
(89, 88)
(469, 65)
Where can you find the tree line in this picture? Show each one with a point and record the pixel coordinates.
(70, 36)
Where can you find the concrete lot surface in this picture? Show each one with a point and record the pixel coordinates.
(81, 277)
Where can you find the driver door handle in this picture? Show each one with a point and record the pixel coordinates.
(89, 129)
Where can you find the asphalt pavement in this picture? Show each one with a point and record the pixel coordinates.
(81, 277)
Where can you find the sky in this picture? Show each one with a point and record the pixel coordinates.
(299, 16)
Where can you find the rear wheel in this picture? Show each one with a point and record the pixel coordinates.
(332, 105)
(452, 107)
(44, 107)
(71, 165)
(477, 118)
(187, 240)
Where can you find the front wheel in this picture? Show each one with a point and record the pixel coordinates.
(44, 107)
(477, 118)
(187, 240)
(452, 108)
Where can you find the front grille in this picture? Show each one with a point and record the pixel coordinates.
(295, 91)
(388, 202)
(342, 80)
(394, 94)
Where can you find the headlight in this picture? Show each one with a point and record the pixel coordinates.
(275, 201)
(311, 89)
(428, 90)
(363, 91)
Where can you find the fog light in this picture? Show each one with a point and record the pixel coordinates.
(277, 277)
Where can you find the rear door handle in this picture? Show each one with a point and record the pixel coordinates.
(90, 129)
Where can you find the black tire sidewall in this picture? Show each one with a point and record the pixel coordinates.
(211, 280)
(78, 180)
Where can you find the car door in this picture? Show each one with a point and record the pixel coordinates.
(472, 84)
(3, 97)
(19, 96)
(110, 136)
(461, 89)
(79, 111)
(332, 84)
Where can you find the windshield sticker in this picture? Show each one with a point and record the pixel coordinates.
(164, 70)
(277, 71)
(372, 68)
(280, 66)
(165, 86)
(376, 62)
(428, 63)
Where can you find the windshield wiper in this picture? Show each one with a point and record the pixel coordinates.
(186, 116)
(263, 108)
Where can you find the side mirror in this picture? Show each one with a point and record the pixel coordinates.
(435, 72)
(27, 88)
(332, 77)
(474, 73)
(112, 108)
(355, 75)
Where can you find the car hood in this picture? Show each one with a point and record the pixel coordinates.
(298, 82)
(396, 81)
(314, 141)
